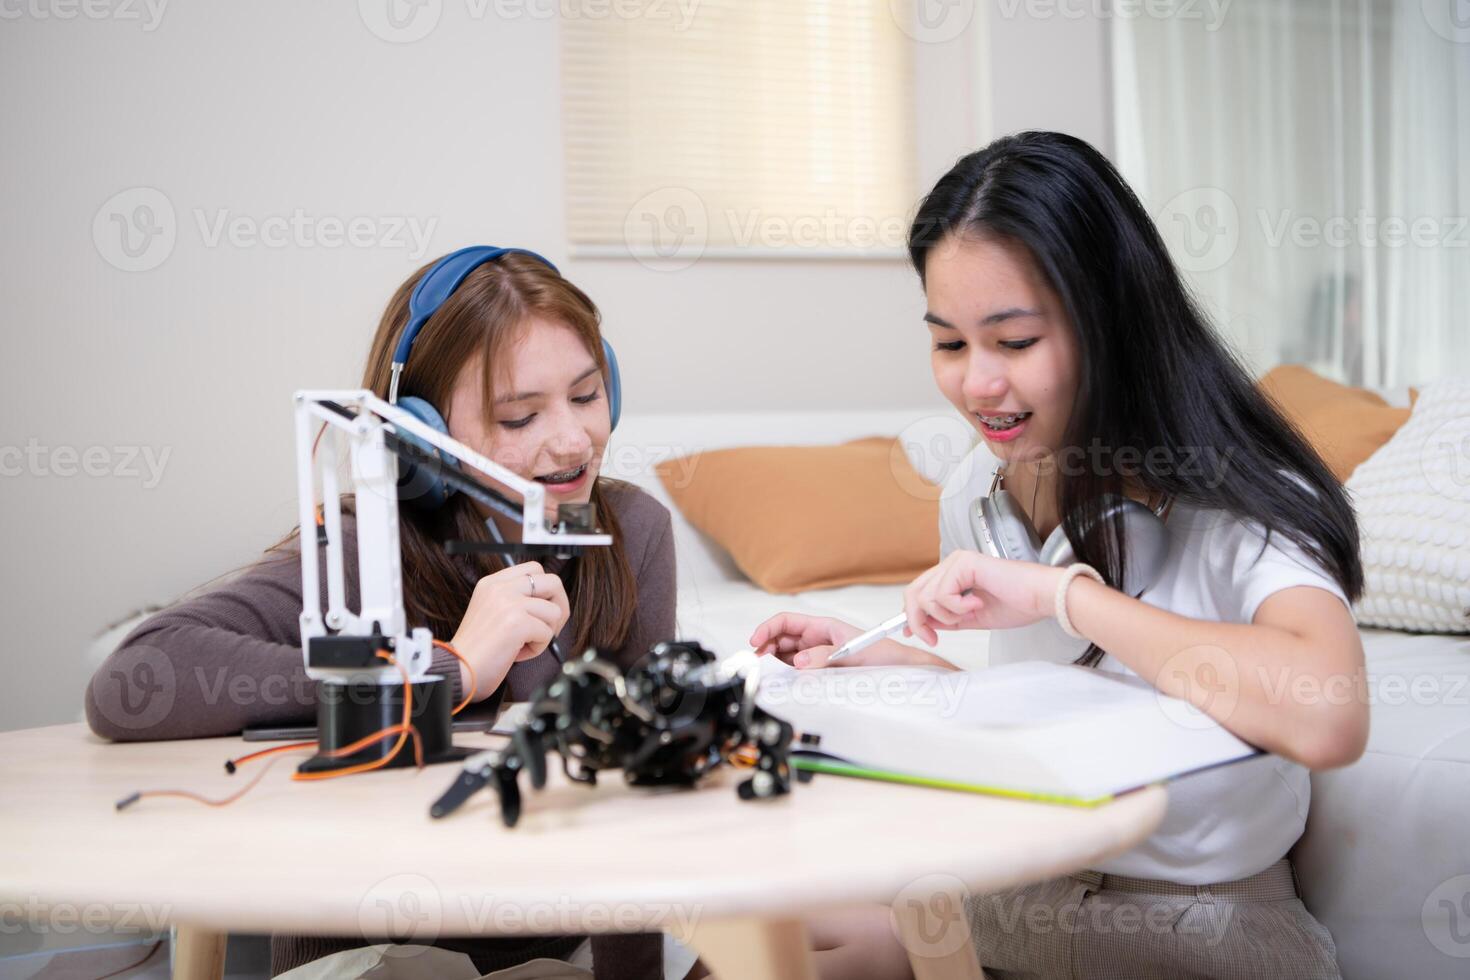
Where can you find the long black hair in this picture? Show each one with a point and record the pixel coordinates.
(1154, 374)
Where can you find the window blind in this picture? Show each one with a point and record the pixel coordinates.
(736, 128)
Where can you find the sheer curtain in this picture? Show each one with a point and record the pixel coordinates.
(1307, 163)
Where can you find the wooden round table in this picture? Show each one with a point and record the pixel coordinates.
(360, 855)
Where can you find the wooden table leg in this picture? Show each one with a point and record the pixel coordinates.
(936, 932)
(754, 949)
(199, 954)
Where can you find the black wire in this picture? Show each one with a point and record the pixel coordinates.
(462, 482)
(133, 966)
(500, 539)
(453, 476)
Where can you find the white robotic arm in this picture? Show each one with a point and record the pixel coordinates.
(341, 646)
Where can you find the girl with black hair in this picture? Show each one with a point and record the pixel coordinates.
(1062, 331)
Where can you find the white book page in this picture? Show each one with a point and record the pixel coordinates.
(1023, 695)
(1035, 726)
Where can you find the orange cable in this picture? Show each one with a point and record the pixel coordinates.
(378, 736)
(232, 764)
(320, 520)
(403, 730)
(198, 797)
(379, 763)
(474, 681)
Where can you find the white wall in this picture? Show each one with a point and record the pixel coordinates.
(1048, 63)
(260, 109)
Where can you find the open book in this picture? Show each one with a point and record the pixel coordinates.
(1037, 730)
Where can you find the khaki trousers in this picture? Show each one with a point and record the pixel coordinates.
(1094, 926)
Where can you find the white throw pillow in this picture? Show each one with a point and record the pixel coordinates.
(1413, 502)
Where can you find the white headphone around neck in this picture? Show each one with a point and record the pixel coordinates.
(1002, 529)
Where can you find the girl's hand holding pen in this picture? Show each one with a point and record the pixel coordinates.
(797, 638)
(967, 590)
(513, 614)
(1002, 594)
(807, 641)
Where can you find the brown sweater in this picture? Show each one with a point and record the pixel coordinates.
(244, 637)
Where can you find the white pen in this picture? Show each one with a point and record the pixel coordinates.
(885, 629)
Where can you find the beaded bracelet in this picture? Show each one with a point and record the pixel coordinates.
(1061, 601)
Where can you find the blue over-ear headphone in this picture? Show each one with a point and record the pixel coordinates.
(417, 483)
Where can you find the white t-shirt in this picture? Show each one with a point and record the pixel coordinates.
(1221, 824)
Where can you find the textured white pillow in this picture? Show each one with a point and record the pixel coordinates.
(1413, 503)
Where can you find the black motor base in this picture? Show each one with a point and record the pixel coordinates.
(348, 712)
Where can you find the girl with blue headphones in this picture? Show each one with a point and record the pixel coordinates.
(496, 348)
(1138, 506)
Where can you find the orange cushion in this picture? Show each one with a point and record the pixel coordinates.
(1345, 425)
(812, 517)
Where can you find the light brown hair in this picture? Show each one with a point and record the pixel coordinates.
(481, 319)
